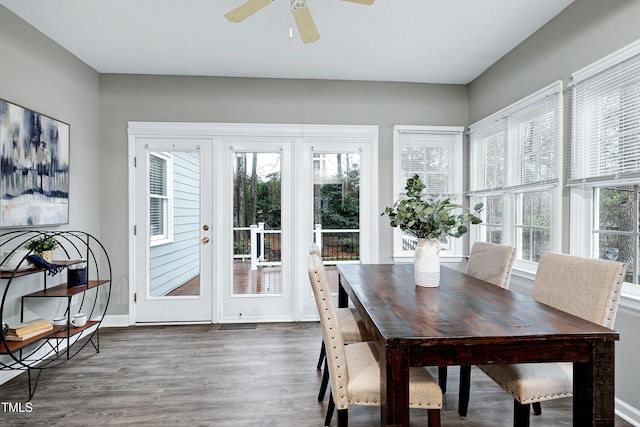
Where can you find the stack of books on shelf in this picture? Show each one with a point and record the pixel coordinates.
(26, 330)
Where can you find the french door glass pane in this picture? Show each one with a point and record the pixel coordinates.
(336, 208)
(174, 263)
(257, 219)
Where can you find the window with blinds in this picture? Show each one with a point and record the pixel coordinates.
(434, 153)
(606, 114)
(605, 160)
(520, 145)
(515, 159)
(158, 196)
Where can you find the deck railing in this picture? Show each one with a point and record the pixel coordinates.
(262, 246)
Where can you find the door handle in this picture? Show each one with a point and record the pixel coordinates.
(205, 240)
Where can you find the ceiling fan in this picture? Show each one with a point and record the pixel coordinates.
(304, 21)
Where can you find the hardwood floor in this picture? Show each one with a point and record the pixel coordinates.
(201, 376)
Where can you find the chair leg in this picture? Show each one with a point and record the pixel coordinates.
(537, 408)
(521, 414)
(442, 378)
(324, 383)
(321, 358)
(434, 417)
(343, 418)
(463, 391)
(330, 409)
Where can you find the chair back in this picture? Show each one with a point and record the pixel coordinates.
(314, 249)
(336, 357)
(585, 287)
(491, 262)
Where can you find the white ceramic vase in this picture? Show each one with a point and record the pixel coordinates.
(427, 263)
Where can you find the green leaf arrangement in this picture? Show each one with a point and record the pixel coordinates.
(41, 244)
(430, 217)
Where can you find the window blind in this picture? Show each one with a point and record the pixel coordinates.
(534, 136)
(606, 125)
(519, 146)
(157, 195)
(157, 176)
(488, 156)
(429, 156)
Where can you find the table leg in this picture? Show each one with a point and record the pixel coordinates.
(593, 387)
(394, 386)
(343, 298)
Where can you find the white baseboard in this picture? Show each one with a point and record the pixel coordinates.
(627, 412)
(115, 321)
(8, 375)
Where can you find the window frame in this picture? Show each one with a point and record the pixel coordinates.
(453, 250)
(503, 127)
(582, 184)
(167, 235)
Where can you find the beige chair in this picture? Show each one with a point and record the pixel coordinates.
(351, 327)
(492, 263)
(354, 369)
(585, 287)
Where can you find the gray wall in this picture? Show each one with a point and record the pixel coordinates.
(38, 74)
(583, 33)
(239, 100)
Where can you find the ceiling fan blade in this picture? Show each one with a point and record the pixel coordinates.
(306, 27)
(245, 10)
(361, 1)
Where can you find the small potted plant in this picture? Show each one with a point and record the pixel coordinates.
(43, 246)
(430, 220)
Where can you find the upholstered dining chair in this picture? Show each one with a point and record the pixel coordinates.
(585, 287)
(355, 369)
(492, 263)
(351, 327)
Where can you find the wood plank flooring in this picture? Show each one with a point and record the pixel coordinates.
(201, 376)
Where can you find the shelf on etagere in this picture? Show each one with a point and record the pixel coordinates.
(8, 274)
(63, 291)
(18, 345)
(73, 330)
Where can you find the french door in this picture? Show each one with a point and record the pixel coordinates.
(240, 217)
(337, 201)
(257, 214)
(173, 231)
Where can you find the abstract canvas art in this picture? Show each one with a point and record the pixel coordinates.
(34, 168)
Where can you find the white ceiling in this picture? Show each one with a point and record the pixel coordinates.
(427, 41)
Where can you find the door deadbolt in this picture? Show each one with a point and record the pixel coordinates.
(205, 227)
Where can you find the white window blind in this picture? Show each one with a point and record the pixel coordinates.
(535, 142)
(428, 155)
(606, 114)
(488, 156)
(520, 145)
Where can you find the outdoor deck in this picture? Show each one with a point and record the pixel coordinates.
(264, 280)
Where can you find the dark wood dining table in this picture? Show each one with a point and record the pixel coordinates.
(466, 321)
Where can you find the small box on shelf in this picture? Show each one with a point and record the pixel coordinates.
(77, 275)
